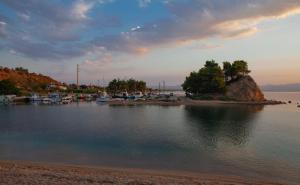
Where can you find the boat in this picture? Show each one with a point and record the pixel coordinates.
(7, 99)
(54, 97)
(138, 95)
(46, 100)
(80, 96)
(34, 98)
(4, 99)
(88, 97)
(103, 98)
(66, 99)
(123, 95)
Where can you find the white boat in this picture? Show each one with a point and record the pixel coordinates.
(66, 99)
(103, 98)
(138, 95)
(88, 97)
(54, 97)
(34, 98)
(4, 99)
(46, 100)
(122, 95)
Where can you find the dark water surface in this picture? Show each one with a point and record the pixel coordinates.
(253, 141)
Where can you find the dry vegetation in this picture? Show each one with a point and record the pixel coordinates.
(25, 80)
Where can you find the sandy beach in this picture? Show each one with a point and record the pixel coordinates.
(16, 172)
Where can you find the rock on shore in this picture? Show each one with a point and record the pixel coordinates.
(244, 89)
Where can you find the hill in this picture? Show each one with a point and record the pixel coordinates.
(25, 80)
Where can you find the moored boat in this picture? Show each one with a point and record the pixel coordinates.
(7, 99)
(66, 99)
(55, 98)
(123, 95)
(88, 97)
(4, 99)
(138, 95)
(34, 98)
(103, 98)
(46, 100)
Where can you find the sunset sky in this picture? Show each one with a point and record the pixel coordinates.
(151, 40)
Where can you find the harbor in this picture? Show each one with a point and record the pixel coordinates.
(149, 92)
(168, 99)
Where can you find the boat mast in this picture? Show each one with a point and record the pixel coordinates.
(77, 76)
(159, 88)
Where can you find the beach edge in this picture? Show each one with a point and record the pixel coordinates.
(25, 172)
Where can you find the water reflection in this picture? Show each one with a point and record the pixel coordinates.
(229, 124)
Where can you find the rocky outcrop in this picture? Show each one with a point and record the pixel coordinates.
(244, 89)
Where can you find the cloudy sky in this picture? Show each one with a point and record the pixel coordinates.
(151, 40)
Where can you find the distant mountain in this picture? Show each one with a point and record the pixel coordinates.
(25, 80)
(282, 88)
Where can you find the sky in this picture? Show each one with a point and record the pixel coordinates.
(150, 40)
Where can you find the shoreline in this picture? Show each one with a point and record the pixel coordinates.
(23, 172)
(186, 101)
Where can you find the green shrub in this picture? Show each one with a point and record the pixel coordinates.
(7, 87)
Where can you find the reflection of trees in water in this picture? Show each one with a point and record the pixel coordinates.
(231, 124)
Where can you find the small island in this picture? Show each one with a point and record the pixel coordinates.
(232, 83)
(212, 85)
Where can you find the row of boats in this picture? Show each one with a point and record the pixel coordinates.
(121, 96)
(60, 98)
(56, 98)
(52, 98)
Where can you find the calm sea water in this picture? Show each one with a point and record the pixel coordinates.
(253, 141)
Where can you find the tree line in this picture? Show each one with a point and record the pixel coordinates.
(213, 79)
(116, 86)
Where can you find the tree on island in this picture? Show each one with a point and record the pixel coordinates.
(8, 88)
(227, 68)
(209, 79)
(212, 79)
(234, 71)
(131, 85)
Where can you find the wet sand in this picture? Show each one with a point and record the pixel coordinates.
(17, 172)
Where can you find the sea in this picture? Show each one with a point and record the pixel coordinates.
(261, 142)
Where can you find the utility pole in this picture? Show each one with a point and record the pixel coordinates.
(77, 76)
